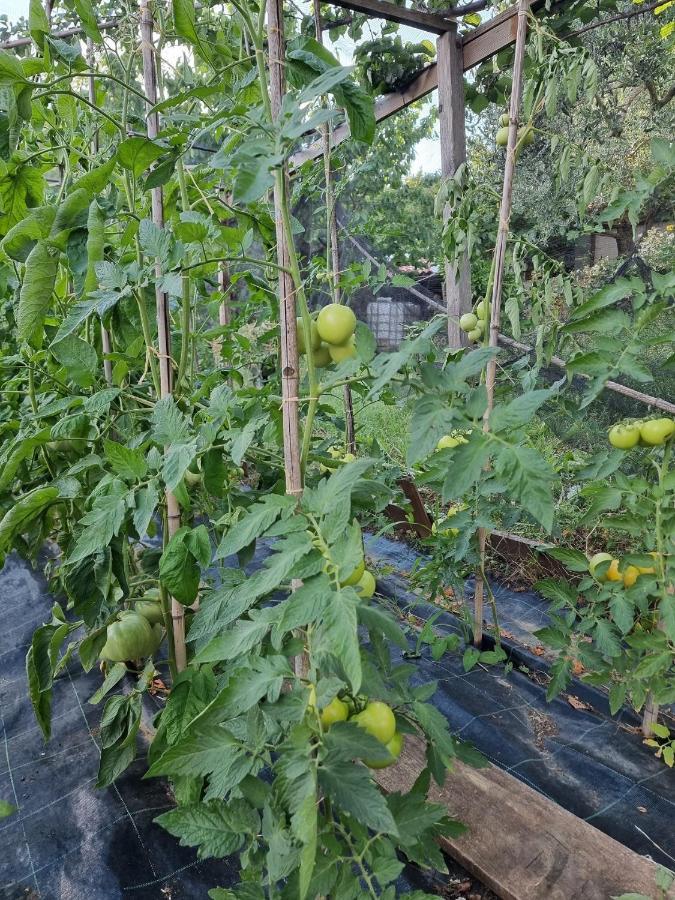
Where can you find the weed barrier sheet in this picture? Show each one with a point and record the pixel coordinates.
(69, 839)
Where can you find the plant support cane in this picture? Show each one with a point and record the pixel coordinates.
(498, 278)
(163, 320)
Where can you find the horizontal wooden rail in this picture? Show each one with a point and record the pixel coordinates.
(615, 386)
(15, 43)
(521, 844)
(382, 9)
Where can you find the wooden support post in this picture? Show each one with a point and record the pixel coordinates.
(162, 304)
(498, 265)
(290, 365)
(453, 154)
(106, 345)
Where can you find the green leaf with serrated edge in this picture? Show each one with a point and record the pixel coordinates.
(560, 592)
(623, 611)
(552, 637)
(258, 518)
(617, 696)
(350, 787)
(177, 458)
(191, 693)
(137, 153)
(465, 466)
(561, 675)
(574, 560)
(87, 16)
(377, 619)
(200, 752)
(216, 828)
(336, 636)
(126, 462)
(386, 366)
(23, 512)
(521, 410)
(145, 502)
(101, 523)
(169, 424)
(528, 479)
(347, 740)
(15, 454)
(304, 607)
(244, 636)
(179, 571)
(36, 292)
(667, 611)
(606, 639)
(114, 676)
(654, 664)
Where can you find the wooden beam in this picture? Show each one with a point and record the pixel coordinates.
(477, 46)
(521, 844)
(451, 116)
(382, 9)
(73, 31)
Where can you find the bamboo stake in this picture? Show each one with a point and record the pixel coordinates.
(332, 242)
(498, 267)
(290, 365)
(162, 303)
(106, 345)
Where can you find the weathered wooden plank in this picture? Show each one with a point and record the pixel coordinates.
(521, 844)
(382, 9)
(489, 38)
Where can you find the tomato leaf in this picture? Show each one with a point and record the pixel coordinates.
(216, 828)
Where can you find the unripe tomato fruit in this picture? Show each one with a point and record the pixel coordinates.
(355, 577)
(340, 352)
(657, 431)
(468, 322)
(595, 562)
(336, 323)
(447, 441)
(377, 719)
(192, 479)
(623, 435)
(481, 309)
(316, 340)
(502, 136)
(322, 357)
(630, 576)
(526, 136)
(130, 637)
(150, 610)
(475, 335)
(504, 120)
(336, 711)
(394, 746)
(481, 326)
(365, 587)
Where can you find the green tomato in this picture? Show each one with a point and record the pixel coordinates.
(502, 137)
(468, 322)
(355, 577)
(336, 711)
(340, 352)
(321, 356)
(657, 431)
(192, 479)
(150, 609)
(481, 326)
(448, 441)
(623, 436)
(316, 340)
(365, 587)
(526, 136)
(475, 335)
(336, 323)
(394, 746)
(378, 720)
(504, 120)
(482, 309)
(129, 637)
(595, 561)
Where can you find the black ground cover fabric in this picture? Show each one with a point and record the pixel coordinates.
(70, 840)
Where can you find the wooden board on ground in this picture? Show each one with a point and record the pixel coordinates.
(522, 845)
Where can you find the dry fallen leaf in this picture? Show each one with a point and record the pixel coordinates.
(576, 703)
(577, 667)
(538, 651)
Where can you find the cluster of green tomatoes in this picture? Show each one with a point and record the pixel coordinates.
(135, 633)
(332, 335)
(645, 432)
(374, 716)
(524, 138)
(474, 323)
